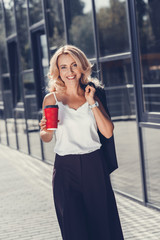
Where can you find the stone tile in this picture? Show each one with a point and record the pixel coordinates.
(27, 210)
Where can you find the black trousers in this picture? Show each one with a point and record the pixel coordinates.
(84, 200)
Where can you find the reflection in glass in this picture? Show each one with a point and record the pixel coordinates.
(14, 72)
(41, 63)
(152, 159)
(8, 106)
(30, 95)
(10, 18)
(1, 97)
(25, 51)
(28, 83)
(34, 137)
(35, 11)
(148, 21)
(11, 132)
(48, 149)
(3, 138)
(117, 77)
(44, 58)
(3, 54)
(31, 113)
(21, 131)
(112, 26)
(120, 98)
(80, 25)
(55, 23)
(2, 121)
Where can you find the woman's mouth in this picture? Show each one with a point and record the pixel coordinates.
(71, 77)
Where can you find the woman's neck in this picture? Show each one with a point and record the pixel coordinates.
(74, 90)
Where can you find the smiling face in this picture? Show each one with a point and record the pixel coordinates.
(68, 69)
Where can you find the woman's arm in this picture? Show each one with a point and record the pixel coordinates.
(103, 121)
(46, 135)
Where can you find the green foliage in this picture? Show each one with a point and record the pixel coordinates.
(55, 23)
(81, 33)
(112, 28)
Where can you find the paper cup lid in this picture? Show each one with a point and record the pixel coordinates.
(51, 106)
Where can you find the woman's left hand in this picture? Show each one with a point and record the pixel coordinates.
(89, 94)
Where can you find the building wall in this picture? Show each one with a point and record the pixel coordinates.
(121, 38)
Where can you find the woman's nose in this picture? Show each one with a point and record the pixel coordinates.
(71, 69)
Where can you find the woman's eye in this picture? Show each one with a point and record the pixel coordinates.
(75, 65)
(63, 67)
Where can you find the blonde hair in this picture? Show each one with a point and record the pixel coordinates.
(55, 82)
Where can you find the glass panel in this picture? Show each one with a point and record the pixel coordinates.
(10, 18)
(55, 23)
(30, 96)
(21, 131)
(3, 54)
(35, 11)
(111, 19)
(3, 136)
(28, 83)
(41, 63)
(2, 121)
(148, 21)
(44, 58)
(34, 137)
(80, 25)
(120, 98)
(8, 108)
(1, 97)
(48, 149)
(11, 132)
(152, 159)
(32, 114)
(14, 72)
(22, 26)
(117, 77)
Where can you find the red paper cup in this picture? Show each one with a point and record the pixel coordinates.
(51, 114)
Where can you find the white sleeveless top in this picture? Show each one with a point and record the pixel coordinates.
(77, 130)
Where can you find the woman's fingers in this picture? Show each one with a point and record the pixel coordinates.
(42, 123)
(89, 89)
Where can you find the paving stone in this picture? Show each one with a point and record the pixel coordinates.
(27, 209)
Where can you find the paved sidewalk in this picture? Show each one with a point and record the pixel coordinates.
(27, 210)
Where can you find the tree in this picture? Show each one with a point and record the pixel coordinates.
(112, 28)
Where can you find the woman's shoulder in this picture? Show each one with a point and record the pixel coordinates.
(49, 99)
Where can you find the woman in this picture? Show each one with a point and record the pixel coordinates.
(83, 195)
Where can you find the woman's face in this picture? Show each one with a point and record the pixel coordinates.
(68, 69)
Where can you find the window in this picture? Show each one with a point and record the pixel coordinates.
(112, 26)
(35, 11)
(3, 54)
(9, 16)
(55, 24)
(80, 25)
(148, 21)
(14, 72)
(23, 34)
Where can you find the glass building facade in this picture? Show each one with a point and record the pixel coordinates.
(122, 39)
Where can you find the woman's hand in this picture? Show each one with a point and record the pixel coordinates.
(89, 94)
(42, 125)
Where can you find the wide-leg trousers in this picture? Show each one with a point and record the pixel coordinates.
(83, 197)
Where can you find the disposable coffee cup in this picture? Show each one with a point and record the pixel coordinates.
(51, 114)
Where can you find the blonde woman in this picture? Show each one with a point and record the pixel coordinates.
(83, 195)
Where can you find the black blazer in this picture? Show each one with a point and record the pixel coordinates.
(108, 145)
